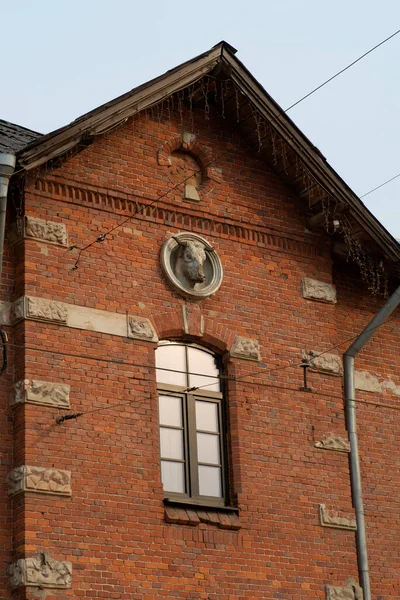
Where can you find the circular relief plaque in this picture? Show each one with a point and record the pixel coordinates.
(191, 265)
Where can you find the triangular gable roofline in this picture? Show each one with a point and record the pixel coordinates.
(116, 111)
(109, 115)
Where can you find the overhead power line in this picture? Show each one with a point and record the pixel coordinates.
(342, 70)
(381, 185)
(102, 236)
(259, 371)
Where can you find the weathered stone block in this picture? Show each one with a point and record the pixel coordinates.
(351, 591)
(40, 480)
(330, 364)
(46, 310)
(330, 519)
(141, 328)
(17, 310)
(334, 442)
(45, 393)
(246, 348)
(188, 139)
(191, 193)
(41, 309)
(47, 231)
(311, 289)
(40, 571)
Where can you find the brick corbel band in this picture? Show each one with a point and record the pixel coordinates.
(39, 480)
(40, 571)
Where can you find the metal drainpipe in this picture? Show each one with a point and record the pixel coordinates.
(355, 476)
(7, 166)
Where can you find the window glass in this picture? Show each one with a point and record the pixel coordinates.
(208, 448)
(203, 363)
(173, 476)
(171, 357)
(171, 443)
(207, 416)
(210, 481)
(191, 427)
(170, 408)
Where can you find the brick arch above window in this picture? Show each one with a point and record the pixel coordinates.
(188, 321)
(188, 142)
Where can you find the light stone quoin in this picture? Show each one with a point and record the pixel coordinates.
(351, 591)
(312, 289)
(330, 519)
(79, 317)
(40, 571)
(40, 480)
(330, 364)
(141, 328)
(332, 442)
(47, 231)
(246, 348)
(45, 393)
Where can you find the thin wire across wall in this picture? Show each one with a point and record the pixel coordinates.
(259, 371)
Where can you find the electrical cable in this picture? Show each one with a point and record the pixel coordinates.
(222, 377)
(379, 186)
(309, 360)
(119, 361)
(343, 70)
(103, 236)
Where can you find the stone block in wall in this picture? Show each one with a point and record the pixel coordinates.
(39, 229)
(331, 519)
(334, 442)
(40, 571)
(311, 289)
(330, 364)
(45, 393)
(246, 348)
(141, 328)
(47, 231)
(351, 591)
(40, 309)
(39, 480)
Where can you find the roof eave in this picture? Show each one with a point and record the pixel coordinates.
(120, 109)
(310, 155)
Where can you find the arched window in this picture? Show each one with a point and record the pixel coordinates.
(191, 415)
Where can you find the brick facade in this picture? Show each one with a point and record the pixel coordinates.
(112, 525)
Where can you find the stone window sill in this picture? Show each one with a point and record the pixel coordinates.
(182, 513)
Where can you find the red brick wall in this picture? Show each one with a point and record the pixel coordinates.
(113, 528)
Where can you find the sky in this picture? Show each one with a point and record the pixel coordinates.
(62, 59)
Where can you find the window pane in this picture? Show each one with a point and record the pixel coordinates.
(208, 448)
(171, 443)
(171, 357)
(173, 476)
(170, 410)
(210, 481)
(204, 363)
(207, 416)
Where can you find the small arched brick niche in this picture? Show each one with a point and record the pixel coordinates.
(190, 162)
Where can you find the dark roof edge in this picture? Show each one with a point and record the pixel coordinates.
(116, 111)
(190, 70)
(312, 157)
